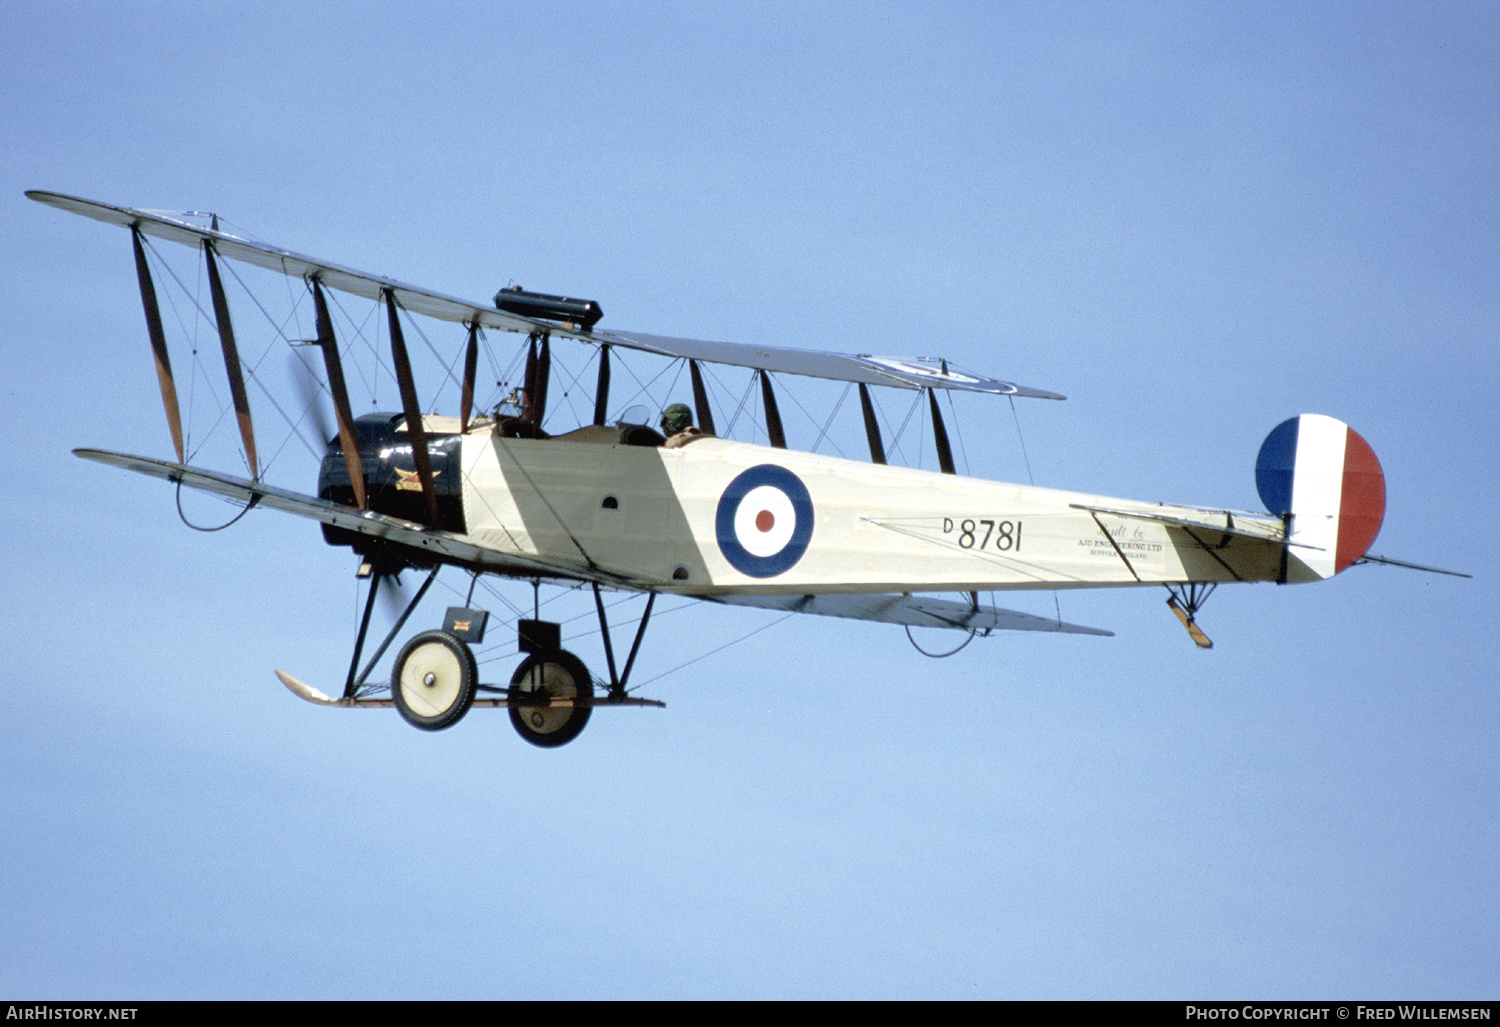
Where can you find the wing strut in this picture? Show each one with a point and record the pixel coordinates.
(601, 390)
(940, 435)
(471, 368)
(528, 378)
(773, 413)
(413, 410)
(158, 344)
(538, 371)
(872, 426)
(543, 378)
(231, 359)
(342, 412)
(700, 400)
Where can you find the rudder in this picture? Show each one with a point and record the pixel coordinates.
(1324, 479)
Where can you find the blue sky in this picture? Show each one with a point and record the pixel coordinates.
(1195, 220)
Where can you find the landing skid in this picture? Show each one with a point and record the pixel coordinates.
(375, 700)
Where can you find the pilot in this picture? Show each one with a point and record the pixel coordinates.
(677, 426)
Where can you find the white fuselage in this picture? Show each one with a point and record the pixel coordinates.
(717, 516)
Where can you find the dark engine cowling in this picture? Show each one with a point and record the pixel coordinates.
(391, 483)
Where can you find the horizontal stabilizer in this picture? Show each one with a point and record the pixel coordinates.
(1225, 522)
(1388, 562)
(913, 611)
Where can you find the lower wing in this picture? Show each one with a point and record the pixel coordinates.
(913, 611)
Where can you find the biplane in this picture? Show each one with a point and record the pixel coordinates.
(614, 505)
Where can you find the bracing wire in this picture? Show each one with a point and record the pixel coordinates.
(719, 649)
(1030, 480)
(709, 376)
(824, 425)
(963, 449)
(848, 386)
(895, 447)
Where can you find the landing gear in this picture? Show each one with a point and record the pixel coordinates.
(540, 680)
(434, 680)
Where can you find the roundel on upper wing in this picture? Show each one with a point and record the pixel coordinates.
(765, 521)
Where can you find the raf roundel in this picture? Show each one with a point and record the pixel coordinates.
(765, 521)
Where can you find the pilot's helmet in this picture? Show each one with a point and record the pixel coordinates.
(676, 418)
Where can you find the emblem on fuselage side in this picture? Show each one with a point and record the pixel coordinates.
(764, 521)
(407, 481)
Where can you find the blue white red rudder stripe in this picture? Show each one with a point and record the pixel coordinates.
(1322, 474)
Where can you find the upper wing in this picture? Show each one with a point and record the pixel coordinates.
(913, 611)
(444, 545)
(412, 298)
(901, 372)
(905, 373)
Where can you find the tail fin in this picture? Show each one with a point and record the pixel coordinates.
(1323, 479)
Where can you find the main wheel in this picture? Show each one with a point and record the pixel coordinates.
(541, 678)
(434, 680)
